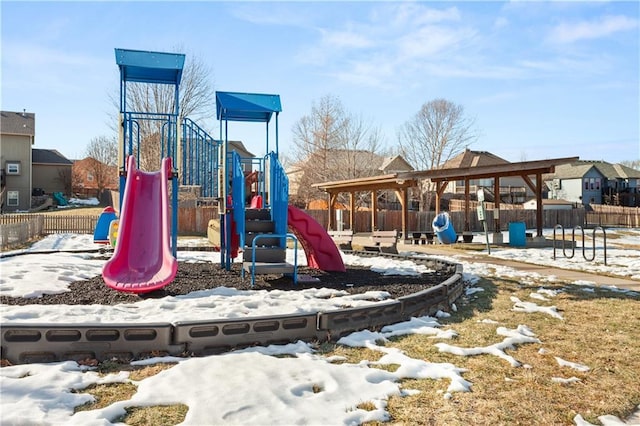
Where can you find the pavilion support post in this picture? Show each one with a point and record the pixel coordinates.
(536, 187)
(352, 211)
(374, 210)
(467, 226)
(402, 196)
(332, 199)
(497, 234)
(539, 205)
(440, 187)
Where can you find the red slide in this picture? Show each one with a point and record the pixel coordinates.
(142, 260)
(320, 249)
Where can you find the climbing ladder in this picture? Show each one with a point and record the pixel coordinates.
(262, 231)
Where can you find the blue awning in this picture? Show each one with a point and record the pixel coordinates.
(256, 107)
(150, 67)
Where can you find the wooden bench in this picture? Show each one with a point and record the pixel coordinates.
(343, 239)
(385, 242)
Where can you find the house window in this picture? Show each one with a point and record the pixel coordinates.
(586, 184)
(13, 168)
(597, 184)
(89, 177)
(13, 198)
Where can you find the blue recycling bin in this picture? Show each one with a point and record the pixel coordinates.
(517, 234)
(443, 228)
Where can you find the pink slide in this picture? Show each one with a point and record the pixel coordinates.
(142, 260)
(319, 247)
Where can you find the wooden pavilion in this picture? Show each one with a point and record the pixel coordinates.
(530, 171)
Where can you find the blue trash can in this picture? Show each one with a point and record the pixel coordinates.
(444, 229)
(517, 234)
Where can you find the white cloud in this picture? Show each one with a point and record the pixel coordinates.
(571, 32)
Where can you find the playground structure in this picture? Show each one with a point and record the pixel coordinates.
(574, 241)
(145, 246)
(144, 257)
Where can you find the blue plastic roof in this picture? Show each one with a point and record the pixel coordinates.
(235, 106)
(150, 67)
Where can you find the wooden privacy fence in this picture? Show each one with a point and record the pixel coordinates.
(388, 220)
(18, 228)
(600, 215)
(190, 221)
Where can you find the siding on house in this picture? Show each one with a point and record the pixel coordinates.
(16, 137)
(51, 171)
(590, 182)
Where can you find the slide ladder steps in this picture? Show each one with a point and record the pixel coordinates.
(270, 257)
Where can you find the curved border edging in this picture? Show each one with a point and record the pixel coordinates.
(23, 343)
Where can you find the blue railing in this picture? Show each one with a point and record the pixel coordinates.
(283, 237)
(238, 195)
(200, 158)
(278, 195)
(164, 125)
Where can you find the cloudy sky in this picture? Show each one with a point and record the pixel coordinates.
(542, 80)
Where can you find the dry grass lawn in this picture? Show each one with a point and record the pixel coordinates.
(599, 329)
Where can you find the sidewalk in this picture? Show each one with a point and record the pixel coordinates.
(563, 274)
(476, 256)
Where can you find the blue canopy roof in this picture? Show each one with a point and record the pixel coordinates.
(150, 67)
(257, 107)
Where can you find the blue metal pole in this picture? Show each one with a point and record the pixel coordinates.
(277, 149)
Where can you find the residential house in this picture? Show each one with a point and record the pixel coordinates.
(395, 164)
(595, 182)
(90, 177)
(513, 189)
(51, 172)
(340, 164)
(17, 135)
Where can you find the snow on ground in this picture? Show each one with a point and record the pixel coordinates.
(236, 387)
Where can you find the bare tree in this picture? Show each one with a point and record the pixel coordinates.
(331, 144)
(633, 164)
(64, 177)
(437, 132)
(196, 100)
(103, 149)
(102, 152)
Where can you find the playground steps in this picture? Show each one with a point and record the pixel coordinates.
(264, 268)
(270, 256)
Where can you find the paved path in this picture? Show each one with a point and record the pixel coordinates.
(563, 274)
(476, 256)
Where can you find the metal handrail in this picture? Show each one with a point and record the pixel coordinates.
(295, 254)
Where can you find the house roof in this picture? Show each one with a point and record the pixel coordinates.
(49, 156)
(617, 171)
(395, 163)
(578, 169)
(468, 158)
(239, 147)
(17, 123)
